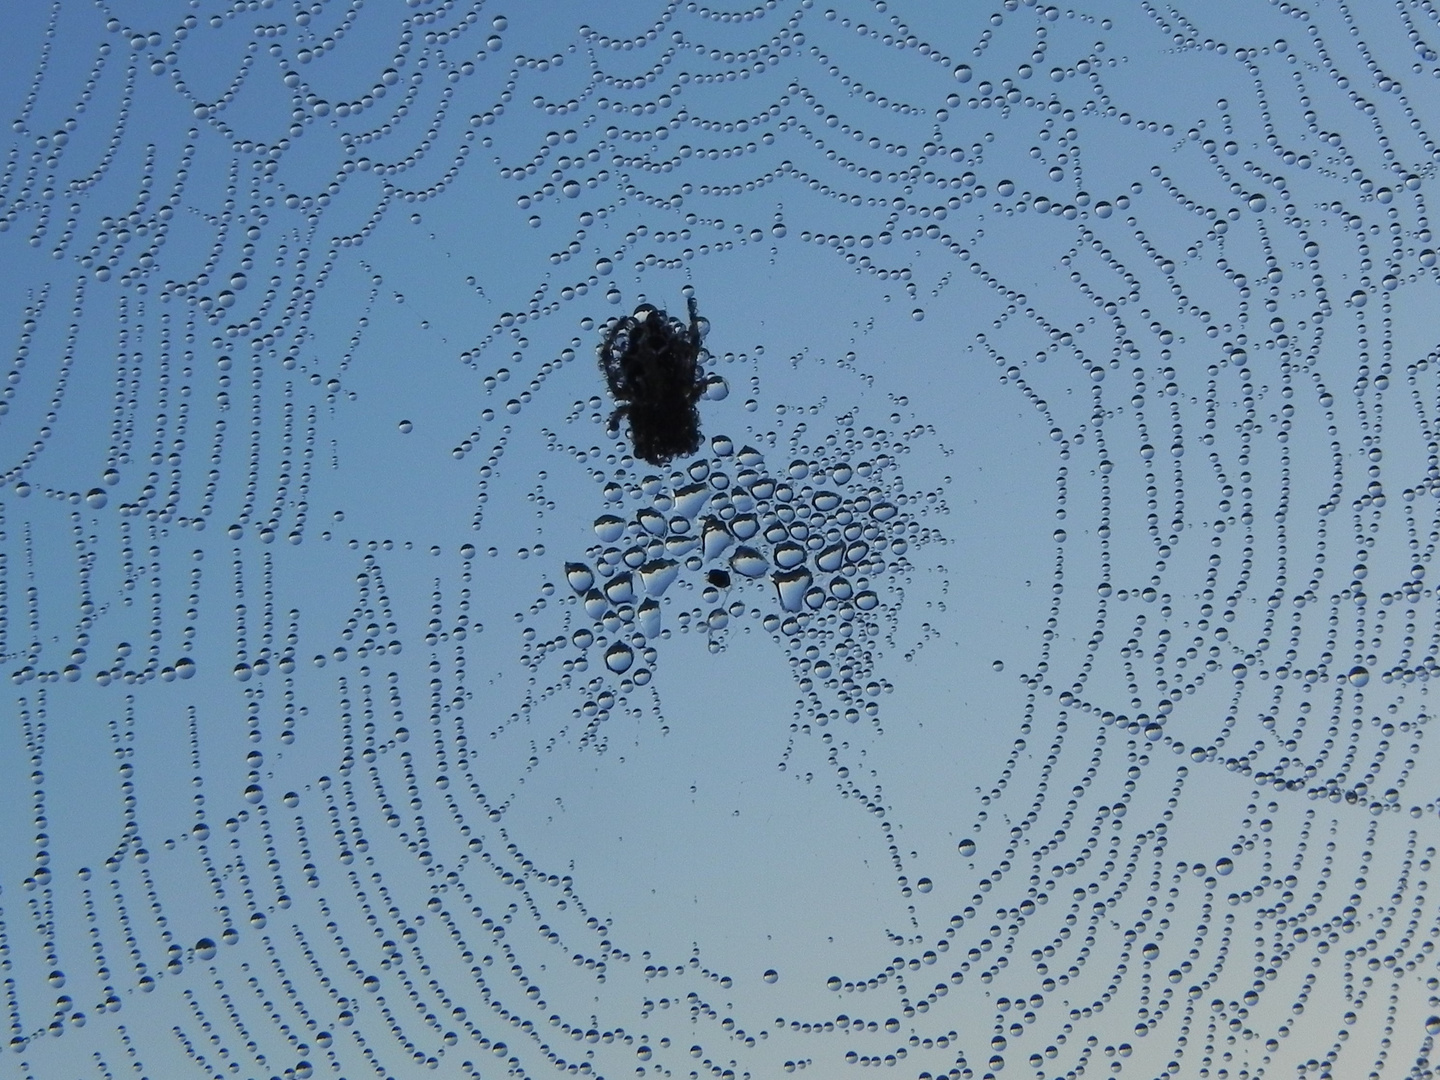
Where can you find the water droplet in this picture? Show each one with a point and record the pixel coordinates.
(791, 586)
(620, 589)
(788, 555)
(748, 562)
(609, 528)
(619, 657)
(595, 604)
(714, 538)
(580, 577)
(657, 575)
(647, 618)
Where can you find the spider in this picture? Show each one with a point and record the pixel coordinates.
(653, 364)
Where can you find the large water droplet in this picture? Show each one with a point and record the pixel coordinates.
(657, 575)
(609, 528)
(619, 657)
(580, 577)
(790, 587)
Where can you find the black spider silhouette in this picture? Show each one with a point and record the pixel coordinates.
(653, 364)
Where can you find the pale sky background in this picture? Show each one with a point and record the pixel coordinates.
(1073, 458)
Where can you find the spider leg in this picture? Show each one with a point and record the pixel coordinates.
(694, 321)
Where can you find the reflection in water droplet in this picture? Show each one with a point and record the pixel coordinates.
(620, 589)
(749, 563)
(609, 528)
(788, 555)
(658, 574)
(791, 586)
(595, 604)
(619, 657)
(647, 618)
(580, 577)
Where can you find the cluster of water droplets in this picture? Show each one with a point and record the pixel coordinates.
(802, 548)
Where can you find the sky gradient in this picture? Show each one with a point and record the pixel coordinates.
(1028, 673)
